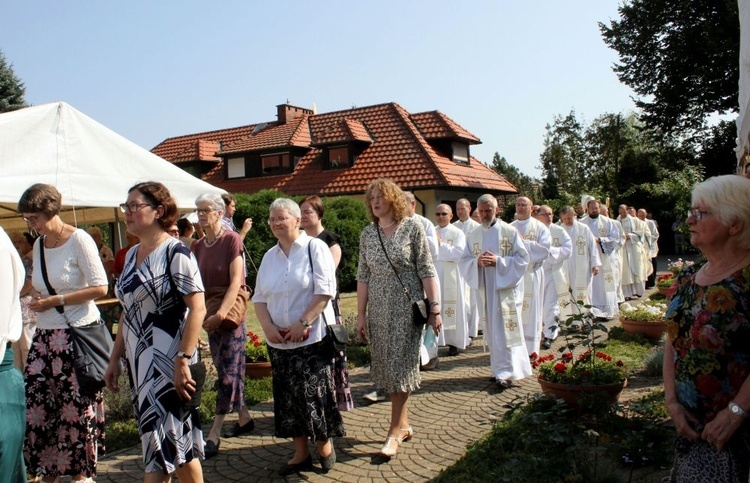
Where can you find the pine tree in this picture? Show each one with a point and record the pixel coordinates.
(12, 89)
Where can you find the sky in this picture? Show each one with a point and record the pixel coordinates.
(148, 70)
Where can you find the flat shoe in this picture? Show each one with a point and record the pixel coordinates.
(504, 383)
(289, 469)
(211, 449)
(238, 430)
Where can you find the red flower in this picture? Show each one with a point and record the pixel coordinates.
(533, 356)
(561, 367)
(567, 356)
(619, 363)
(707, 385)
(256, 343)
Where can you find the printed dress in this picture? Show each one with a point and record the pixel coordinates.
(153, 324)
(394, 339)
(709, 330)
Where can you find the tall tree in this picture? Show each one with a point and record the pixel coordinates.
(680, 57)
(12, 89)
(523, 182)
(563, 157)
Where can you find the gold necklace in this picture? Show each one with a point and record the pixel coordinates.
(59, 235)
(209, 243)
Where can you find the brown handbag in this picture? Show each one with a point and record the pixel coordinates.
(236, 314)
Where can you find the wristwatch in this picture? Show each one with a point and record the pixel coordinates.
(735, 408)
(305, 323)
(184, 355)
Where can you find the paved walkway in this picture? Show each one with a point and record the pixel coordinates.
(455, 406)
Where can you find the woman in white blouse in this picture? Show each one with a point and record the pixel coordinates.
(64, 427)
(295, 283)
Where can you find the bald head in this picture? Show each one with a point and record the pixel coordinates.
(443, 215)
(622, 210)
(463, 209)
(411, 202)
(545, 214)
(641, 214)
(523, 208)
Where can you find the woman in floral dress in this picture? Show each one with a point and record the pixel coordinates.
(384, 314)
(707, 355)
(158, 336)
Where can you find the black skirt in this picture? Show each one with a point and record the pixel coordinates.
(304, 394)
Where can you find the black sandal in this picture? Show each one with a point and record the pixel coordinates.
(238, 430)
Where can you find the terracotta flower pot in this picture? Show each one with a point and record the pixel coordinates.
(650, 330)
(571, 393)
(663, 291)
(257, 370)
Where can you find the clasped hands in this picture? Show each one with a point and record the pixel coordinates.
(487, 259)
(716, 433)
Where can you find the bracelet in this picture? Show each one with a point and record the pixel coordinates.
(62, 300)
(432, 304)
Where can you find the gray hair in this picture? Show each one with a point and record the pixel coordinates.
(487, 198)
(214, 200)
(286, 204)
(565, 210)
(727, 197)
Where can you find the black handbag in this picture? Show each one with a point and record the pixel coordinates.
(92, 344)
(419, 308)
(337, 333)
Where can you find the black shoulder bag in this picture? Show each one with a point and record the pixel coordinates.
(92, 344)
(418, 308)
(198, 369)
(338, 333)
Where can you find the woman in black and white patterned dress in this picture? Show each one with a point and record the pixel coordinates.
(157, 338)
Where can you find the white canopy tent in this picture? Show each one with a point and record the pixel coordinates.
(91, 165)
(743, 120)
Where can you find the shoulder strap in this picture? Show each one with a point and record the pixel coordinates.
(60, 309)
(312, 270)
(406, 291)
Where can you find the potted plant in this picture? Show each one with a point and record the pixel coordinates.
(257, 363)
(646, 318)
(588, 379)
(664, 283)
(678, 265)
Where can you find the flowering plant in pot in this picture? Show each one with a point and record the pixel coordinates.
(678, 265)
(256, 350)
(645, 318)
(582, 368)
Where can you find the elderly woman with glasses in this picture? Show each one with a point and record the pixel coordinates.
(162, 297)
(707, 354)
(65, 427)
(295, 283)
(222, 264)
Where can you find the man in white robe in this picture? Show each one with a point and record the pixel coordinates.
(583, 264)
(555, 275)
(537, 242)
(653, 245)
(494, 263)
(451, 246)
(607, 237)
(634, 255)
(429, 351)
(466, 224)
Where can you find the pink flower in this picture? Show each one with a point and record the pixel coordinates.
(710, 338)
(61, 459)
(56, 366)
(58, 342)
(36, 416)
(70, 413)
(35, 367)
(74, 434)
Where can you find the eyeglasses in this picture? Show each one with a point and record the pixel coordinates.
(204, 211)
(442, 214)
(546, 214)
(697, 213)
(282, 219)
(30, 219)
(308, 212)
(132, 207)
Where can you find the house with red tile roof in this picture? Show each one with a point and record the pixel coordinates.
(340, 153)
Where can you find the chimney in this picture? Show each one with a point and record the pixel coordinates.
(287, 112)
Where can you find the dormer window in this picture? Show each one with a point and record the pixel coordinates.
(338, 157)
(273, 164)
(460, 152)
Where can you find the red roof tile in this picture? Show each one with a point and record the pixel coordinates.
(436, 125)
(293, 133)
(398, 148)
(188, 147)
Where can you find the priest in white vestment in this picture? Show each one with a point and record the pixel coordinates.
(583, 264)
(451, 246)
(494, 263)
(635, 267)
(607, 237)
(556, 286)
(537, 243)
(429, 353)
(466, 224)
(653, 245)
